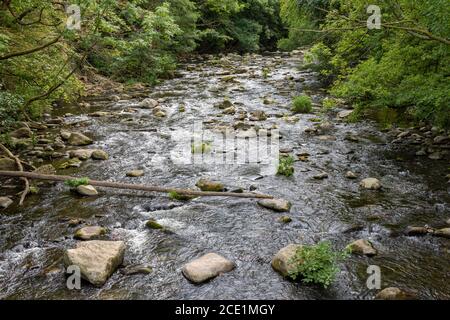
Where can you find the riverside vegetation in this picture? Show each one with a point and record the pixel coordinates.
(102, 102)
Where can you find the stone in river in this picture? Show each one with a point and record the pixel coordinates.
(207, 267)
(97, 260)
(281, 262)
(279, 205)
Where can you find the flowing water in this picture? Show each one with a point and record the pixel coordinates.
(33, 238)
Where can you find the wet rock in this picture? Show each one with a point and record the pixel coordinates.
(435, 156)
(286, 150)
(79, 139)
(351, 175)
(82, 154)
(65, 134)
(417, 231)
(285, 219)
(279, 205)
(321, 176)
(136, 269)
(89, 233)
(5, 202)
(159, 113)
(281, 262)
(448, 221)
(371, 184)
(394, 293)
(362, 247)
(7, 164)
(258, 116)
(207, 267)
(444, 233)
(230, 110)
(23, 132)
(75, 222)
(441, 139)
(148, 103)
(152, 224)
(207, 185)
(72, 163)
(87, 190)
(325, 126)
(100, 155)
(344, 114)
(352, 138)
(224, 104)
(421, 153)
(97, 260)
(403, 135)
(327, 138)
(46, 169)
(135, 173)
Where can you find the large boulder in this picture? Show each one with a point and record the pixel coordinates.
(394, 293)
(7, 164)
(362, 247)
(207, 267)
(79, 139)
(97, 260)
(282, 261)
(371, 184)
(89, 233)
(279, 205)
(5, 202)
(207, 185)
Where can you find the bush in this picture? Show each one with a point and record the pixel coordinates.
(302, 104)
(285, 167)
(9, 109)
(74, 183)
(317, 264)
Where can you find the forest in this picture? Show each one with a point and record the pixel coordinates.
(224, 149)
(401, 70)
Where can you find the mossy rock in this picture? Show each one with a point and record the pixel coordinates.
(152, 224)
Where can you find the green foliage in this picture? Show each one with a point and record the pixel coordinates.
(404, 66)
(180, 197)
(317, 264)
(302, 104)
(9, 109)
(243, 25)
(286, 166)
(73, 183)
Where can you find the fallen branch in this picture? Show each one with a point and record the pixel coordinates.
(20, 167)
(139, 187)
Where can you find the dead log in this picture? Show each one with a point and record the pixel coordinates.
(26, 189)
(128, 186)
